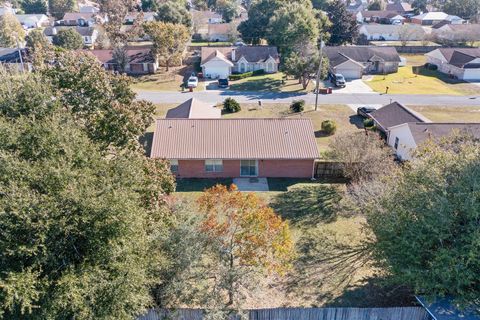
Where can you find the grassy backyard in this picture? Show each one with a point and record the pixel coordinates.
(312, 211)
(405, 81)
(269, 82)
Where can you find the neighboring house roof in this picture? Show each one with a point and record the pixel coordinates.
(422, 131)
(461, 57)
(135, 55)
(194, 109)
(79, 15)
(409, 31)
(219, 28)
(35, 18)
(469, 30)
(273, 138)
(147, 15)
(382, 14)
(394, 114)
(250, 53)
(84, 31)
(447, 309)
(399, 7)
(10, 55)
(437, 15)
(361, 54)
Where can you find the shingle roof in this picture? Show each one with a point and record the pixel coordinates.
(78, 15)
(410, 31)
(362, 54)
(379, 14)
(194, 109)
(218, 28)
(11, 55)
(435, 15)
(136, 55)
(399, 7)
(84, 31)
(460, 57)
(275, 138)
(394, 114)
(250, 53)
(422, 131)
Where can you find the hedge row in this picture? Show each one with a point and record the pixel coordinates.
(238, 76)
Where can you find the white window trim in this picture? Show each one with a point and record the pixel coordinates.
(256, 168)
(174, 165)
(216, 165)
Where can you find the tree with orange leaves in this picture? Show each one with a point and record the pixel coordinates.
(249, 237)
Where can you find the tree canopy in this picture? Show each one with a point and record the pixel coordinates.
(68, 39)
(425, 220)
(465, 9)
(174, 12)
(36, 40)
(10, 31)
(344, 28)
(58, 8)
(34, 6)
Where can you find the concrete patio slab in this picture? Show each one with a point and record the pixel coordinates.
(251, 184)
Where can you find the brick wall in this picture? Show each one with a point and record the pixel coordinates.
(231, 169)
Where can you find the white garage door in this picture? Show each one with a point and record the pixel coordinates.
(215, 72)
(350, 73)
(471, 74)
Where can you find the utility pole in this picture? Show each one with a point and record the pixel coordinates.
(319, 71)
(20, 54)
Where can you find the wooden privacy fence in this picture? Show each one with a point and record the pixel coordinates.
(328, 169)
(400, 313)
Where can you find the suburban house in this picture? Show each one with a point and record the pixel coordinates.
(458, 32)
(80, 19)
(220, 62)
(405, 137)
(31, 21)
(220, 31)
(201, 19)
(356, 6)
(402, 8)
(432, 18)
(89, 34)
(10, 59)
(354, 61)
(461, 63)
(194, 109)
(390, 32)
(140, 60)
(230, 148)
(394, 114)
(382, 16)
(88, 9)
(132, 16)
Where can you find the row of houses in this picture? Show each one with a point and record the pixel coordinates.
(200, 144)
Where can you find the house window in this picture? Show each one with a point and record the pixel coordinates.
(248, 168)
(145, 67)
(396, 143)
(174, 165)
(86, 39)
(214, 165)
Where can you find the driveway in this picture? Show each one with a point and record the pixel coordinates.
(353, 86)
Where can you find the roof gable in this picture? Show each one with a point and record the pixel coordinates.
(361, 54)
(394, 114)
(195, 109)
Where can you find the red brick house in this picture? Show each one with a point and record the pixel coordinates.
(140, 60)
(230, 148)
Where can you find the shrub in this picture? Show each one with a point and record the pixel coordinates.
(329, 127)
(297, 105)
(367, 123)
(238, 76)
(231, 105)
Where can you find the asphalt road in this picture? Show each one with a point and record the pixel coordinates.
(212, 96)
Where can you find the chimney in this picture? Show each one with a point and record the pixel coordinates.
(233, 54)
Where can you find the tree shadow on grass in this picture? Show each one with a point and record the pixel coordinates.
(310, 204)
(146, 141)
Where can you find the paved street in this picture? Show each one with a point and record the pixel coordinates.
(336, 98)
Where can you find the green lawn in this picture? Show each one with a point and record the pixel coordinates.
(405, 81)
(161, 81)
(449, 113)
(270, 83)
(312, 211)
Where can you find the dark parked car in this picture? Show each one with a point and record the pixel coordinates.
(365, 111)
(338, 80)
(223, 83)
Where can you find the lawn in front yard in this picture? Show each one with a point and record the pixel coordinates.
(345, 118)
(405, 81)
(163, 81)
(449, 113)
(269, 82)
